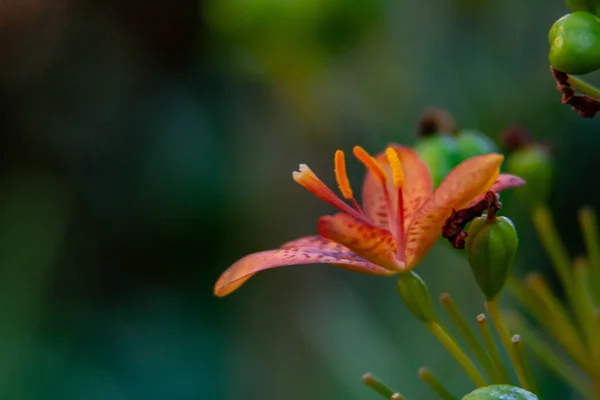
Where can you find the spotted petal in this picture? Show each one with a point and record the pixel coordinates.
(374, 244)
(469, 179)
(504, 181)
(236, 275)
(417, 189)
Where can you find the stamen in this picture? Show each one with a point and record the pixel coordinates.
(340, 175)
(396, 165)
(371, 163)
(307, 179)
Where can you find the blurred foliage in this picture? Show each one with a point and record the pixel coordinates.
(145, 146)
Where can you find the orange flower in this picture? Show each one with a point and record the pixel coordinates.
(400, 220)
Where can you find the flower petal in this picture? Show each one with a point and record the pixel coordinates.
(469, 179)
(504, 181)
(236, 275)
(416, 190)
(374, 244)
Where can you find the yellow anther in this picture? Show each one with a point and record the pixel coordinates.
(396, 165)
(371, 164)
(341, 176)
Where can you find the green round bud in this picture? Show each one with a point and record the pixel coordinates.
(592, 6)
(533, 164)
(471, 143)
(575, 43)
(500, 392)
(440, 153)
(414, 293)
(491, 246)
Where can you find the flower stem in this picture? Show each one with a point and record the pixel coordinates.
(467, 333)
(547, 356)
(397, 396)
(585, 313)
(490, 345)
(589, 228)
(376, 384)
(584, 87)
(494, 310)
(458, 354)
(523, 364)
(435, 385)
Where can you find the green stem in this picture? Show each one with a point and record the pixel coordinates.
(376, 384)
(467, 333)
(494, 310)
(584, 87)
(589, 229)
(522, 364)
(397, 396)
(547, 356)
(458, 354)
(585, 313)
(490, 344)
(435, 385)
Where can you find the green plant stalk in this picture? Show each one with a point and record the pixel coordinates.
(589, 229)
(547, 356)
(557, 320)
(585, 313)
(458, 354)
(525, 296)
(584, 87)
(435, 385)
(490, 344)
(397, 396)
(467, 333)
(376, 384)
(494, 310)
(523, 364)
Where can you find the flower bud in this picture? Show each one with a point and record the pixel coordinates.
(575, 43)
(533, 164)
(497, 392)
(414, 293)
(491, 245)
(471, 143)
(440, 153)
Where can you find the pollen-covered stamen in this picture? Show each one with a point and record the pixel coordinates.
(375, 167)
(399, 181)
(307, 179)
(342, 179)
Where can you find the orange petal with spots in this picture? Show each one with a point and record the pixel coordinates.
(416, 190)
(374, 244)
(503, 182)
(469, 179)
(236, 275)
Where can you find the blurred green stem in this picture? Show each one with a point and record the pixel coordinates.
(455, 350)
(589, 229)
(551, 360)
(584, 87)
(376, 384)
(585, 313)
(490, 344)
(523, 364)
(435, 385)
(467, 333)
(494, 310)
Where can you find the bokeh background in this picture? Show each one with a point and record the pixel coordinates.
(147, 145)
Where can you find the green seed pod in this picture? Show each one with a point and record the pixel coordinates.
(533, 164)
(492, 246)
(471, 143)
(500, 392)
(440, 153)
(575, 43)
(414, 293)
(592, 6)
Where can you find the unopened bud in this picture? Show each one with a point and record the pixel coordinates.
(492, 246)
(533, 164)
(414, 293)
(471, 143)
(440, 153)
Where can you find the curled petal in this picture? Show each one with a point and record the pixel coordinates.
(321, 243)
(417, 188)
(236, 275)
(469, 179)
(367, 241)
(503, 182)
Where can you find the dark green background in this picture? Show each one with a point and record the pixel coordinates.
(145, 146)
